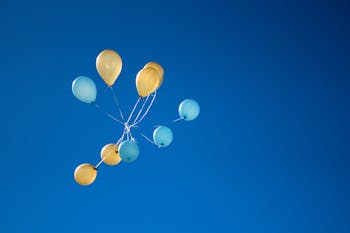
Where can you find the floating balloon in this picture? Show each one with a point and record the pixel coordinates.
(85, 174)
(162, 136)
(129, 151)
(189, 109)
(84, 89)
(109, 65)
(147, 81)
(157, 67)
(110, 155)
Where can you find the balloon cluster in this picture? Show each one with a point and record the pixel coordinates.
(148, 80)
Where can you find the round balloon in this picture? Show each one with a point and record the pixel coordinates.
(158, 68)
(109, 65)
(85, 174)
(162, 136)
(110, 155)
(129, 151)
(147, 81)
(84, 89)
(189, 109)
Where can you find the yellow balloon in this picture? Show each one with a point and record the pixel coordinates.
(85, 174)
(110, 155)
(109, 65)
(157, 67)
(147, 81)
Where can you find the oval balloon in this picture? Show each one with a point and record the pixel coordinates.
(129, 151)
(189, 109)
(162, 136)
(109, 65)
(84, 89)
(147, 81)
(85, 174)
(158, 68)
(110, 155)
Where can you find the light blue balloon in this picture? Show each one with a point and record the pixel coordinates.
(162, 136)
(189, 109)
(128, 151)
(84, 89)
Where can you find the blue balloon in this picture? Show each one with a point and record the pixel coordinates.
(162, 136)
(189, 109)
(84, 89)
(128, 151)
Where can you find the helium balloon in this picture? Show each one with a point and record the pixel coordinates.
(189, 109)
(147, 81)
(158, 68)
(109, 65)
(162, 136)
(84, 89)
(110, 155)
(129, 151)
(85, 174)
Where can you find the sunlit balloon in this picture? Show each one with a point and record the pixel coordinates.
(85, 174)
(84, 89)
(189, 109)
(109, 65)
(147, 81)
(110, 155)
(129, 151)
(162, 136)
(159, 68)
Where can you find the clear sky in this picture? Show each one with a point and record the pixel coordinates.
(269, 152)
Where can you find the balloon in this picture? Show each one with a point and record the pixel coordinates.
(108, 65)
(189, 109)
(84, 89)
(162, 136)
(147, 81)
(85, 174)
(160, 70)
(129, 151)
(110, 155)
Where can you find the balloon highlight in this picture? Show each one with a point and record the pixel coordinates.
(129, 151)
(85, 174)
(189, 109)
(162, 136)
(84, 89)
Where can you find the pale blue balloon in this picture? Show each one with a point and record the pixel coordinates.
(162, 136)
(128, 151)
(189, 109)
(84, 89)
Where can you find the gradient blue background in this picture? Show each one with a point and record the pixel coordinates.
(269, 152)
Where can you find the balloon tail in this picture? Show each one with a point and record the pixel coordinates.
(108, 114)
(117, 103)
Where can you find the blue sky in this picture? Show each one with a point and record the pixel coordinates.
(269, 152)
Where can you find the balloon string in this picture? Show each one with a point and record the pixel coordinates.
(141, 109)
(149, 107)
(145, 137)
(170, 122)
(176, 120)
(133, 110)
(108, 114)
(111, 152)
(117, 103)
